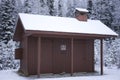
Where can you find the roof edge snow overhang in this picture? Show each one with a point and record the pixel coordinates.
(21, 31)
(66, 34)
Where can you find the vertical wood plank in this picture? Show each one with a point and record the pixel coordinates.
(101, 56)
(38, 57)
(71, 56)
(26, 54)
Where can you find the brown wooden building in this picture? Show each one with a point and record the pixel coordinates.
(50, 44)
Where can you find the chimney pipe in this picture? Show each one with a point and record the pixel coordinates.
(81, 14)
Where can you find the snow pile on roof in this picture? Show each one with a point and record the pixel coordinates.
(63, 24)
(82, 10)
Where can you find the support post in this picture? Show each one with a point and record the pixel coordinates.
(26, 55)
(71, 56)
(101, 56)
(38, 57)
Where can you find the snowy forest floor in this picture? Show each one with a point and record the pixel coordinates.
(109, 74)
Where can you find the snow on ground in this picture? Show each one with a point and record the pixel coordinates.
(10, 75)
(109, 74)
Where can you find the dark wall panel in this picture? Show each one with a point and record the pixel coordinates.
(23, 61)
(83, 55)
(79, 56)
(32, 55)
(61, 57)
(46, 55)
(90, 56)
(56, 55)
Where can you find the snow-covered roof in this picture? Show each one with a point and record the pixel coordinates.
(64, 24)
(82, 10)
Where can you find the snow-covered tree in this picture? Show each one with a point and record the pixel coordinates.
(50, 4)
(116, 20)
(28, 6)
(59, 8)
(97, 52)
(43, 7)
(103, 10)
(19, 6)
(107, 12)
(70, 8)
(7, 60)
(89, 8)
(8, 18)
(112, 53)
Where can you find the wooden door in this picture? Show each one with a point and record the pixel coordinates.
(61, 55)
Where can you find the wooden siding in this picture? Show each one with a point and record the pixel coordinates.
(46, 56)
(18, 53)
(83, 55)
(19, 31)
(90, 55)
(23, 61)
(32, 55)
(61, 59)
(55, 60)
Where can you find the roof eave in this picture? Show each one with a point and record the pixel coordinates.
(53, 33)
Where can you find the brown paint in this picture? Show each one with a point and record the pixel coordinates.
(19, 31)
(46, 55)
(18, 53)
(61, 59)
(25, 56)
(39, 57)
(49, 58)
(83, 55)
(68, 35)
(72, 51)
(32, 54)
(101, 57)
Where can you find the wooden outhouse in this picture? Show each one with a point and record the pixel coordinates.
(50, 44)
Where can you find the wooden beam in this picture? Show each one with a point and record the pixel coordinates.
(26, 55)
(101, 56)
(71, 56)
(38, 57)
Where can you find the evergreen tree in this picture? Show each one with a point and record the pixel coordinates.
(19, 6)
(8, 18)
(28, 6)
(103, 10)
(116, 18)
(43, 7)
(7, 60)
(50, 4)
(70, 9)
(60, 8)
(112, 53)
(89, 8)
